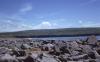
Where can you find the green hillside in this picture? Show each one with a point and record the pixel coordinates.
(53, 32)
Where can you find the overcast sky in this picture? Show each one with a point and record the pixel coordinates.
(16, 15)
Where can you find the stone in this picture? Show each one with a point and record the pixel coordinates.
(74, 45)
(86, 48)
(92, 40)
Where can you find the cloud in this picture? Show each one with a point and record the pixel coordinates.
(45, 25)
(25, 27)
(80, 21)
(26, 8)
(11, 25)
(88, 24)
(19, 24)
(9, 21)
(42, 25)
(91, 25)
(6, 25)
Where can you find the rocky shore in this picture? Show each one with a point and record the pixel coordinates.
(30, 50)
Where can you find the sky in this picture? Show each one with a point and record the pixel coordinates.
(17, 15)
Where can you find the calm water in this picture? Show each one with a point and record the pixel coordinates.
(66, 38)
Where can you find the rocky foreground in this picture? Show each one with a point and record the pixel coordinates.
(29, 50)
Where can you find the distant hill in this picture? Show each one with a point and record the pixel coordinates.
(53, 32)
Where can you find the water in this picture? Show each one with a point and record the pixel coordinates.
(66, 38)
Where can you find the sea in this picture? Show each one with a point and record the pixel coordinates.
(66, 38)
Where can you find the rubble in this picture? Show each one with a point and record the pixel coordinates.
(23, 50)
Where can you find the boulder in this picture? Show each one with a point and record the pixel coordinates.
(92, 40)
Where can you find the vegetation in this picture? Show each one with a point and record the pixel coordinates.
(53, 32)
